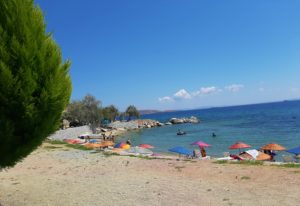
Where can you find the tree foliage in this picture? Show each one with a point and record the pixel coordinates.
(35, 86)
(110, 113)
(132, 111)
(122, 116)
(84, 112)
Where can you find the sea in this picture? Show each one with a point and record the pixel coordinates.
(256, 124)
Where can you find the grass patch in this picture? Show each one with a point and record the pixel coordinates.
(243, 162)
(221, 162)
(77, 146)
(245, 178)
(248, 162)
(290, 165)
(55, 142)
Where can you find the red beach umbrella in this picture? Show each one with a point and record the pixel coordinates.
(146, 146)
(201, 144)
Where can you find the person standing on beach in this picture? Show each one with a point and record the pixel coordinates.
(128, 141)
(113, 138)
(203, 152)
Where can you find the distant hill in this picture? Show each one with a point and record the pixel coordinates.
(148, 111)
(152, 111)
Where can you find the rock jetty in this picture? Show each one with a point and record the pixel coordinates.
(134, 124)
(117, 128)
(70, 133)
(192, 119)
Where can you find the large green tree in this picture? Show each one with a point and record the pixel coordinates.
(35, 85)
(84, 112)
(110, 113)
(132, 111)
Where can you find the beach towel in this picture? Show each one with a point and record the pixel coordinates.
(253, 152)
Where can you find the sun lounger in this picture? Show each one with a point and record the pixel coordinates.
(224, 158)
(204, 158)
(297, 158)
(287, 158)
(226, 154)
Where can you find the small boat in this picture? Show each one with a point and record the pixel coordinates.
(181, 133)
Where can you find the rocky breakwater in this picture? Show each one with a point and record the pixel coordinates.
(134, 124)
(148, 123)
(192, 119)
(118, 128)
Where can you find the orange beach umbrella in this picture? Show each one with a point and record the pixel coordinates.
(262, 156)
(239, 145)
(273, 146)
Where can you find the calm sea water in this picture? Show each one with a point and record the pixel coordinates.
(256, 125)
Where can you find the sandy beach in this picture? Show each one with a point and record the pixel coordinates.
(55, 175)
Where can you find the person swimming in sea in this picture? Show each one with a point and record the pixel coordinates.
(213, 134)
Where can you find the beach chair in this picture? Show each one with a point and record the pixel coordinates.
(287, 158)
(297, 158)
(226, 154)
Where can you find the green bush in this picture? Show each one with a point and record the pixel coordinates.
(35, 85)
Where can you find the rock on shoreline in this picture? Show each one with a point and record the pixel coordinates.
(118, 128)
(70, 133)
(183, 120)
(135, 124)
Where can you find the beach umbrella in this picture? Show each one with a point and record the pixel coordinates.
(93, 145)
(239, 145)
(140, 150)
(273, 146)
(181, 150)
(295, 151)
(147, 146)
(119, 145)
(93, 141)
(201, 144)
(125, 146)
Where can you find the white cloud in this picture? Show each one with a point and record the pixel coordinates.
(261, 89)
(182, 94)
(234, 87)
(165, 99)
(206, 90)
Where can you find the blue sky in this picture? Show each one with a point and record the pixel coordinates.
(168, 54)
